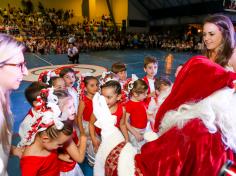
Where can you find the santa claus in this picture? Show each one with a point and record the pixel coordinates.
(196, 126)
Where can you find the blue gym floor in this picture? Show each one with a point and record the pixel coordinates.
(133, 59)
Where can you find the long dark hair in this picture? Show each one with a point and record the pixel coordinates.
(227, 29)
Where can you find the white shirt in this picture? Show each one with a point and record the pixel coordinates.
(75, 97)
(151, 85)
(4, 158)
(72, 51)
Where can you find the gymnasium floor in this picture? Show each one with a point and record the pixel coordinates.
(94, 62)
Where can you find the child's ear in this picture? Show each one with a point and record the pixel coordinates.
(144, 69)
(35, 103)
(119, 97)
(45, 137)
(135, 94)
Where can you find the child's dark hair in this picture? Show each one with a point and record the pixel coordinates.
(64, 71)
(88, 78)
(113, 84)
(33, 90)
(150, 59)
(53, 80)
(52, 132)
(118, 67)
(61, 94)
(162, 81)
(139, 86)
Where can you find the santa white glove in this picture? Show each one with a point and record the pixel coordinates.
(105, 120)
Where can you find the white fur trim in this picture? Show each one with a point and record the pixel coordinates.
(150, 136)
(126, 163)
(106, 146)
(216, 111)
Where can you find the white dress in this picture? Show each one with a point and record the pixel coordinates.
(75, 97)
(4, 158)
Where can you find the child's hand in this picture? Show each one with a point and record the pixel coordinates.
(151, 118)
(82, 139)
(96, 144)
(139, 137)
(65, 157)
(153, 94)
(17, 151)
(82, 132)
(126, 140)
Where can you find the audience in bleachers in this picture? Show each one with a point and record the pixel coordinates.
(46, 31)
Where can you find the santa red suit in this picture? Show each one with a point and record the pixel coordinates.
(196, 125)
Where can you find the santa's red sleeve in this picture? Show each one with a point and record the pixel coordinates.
(191, 150)
(197, 79)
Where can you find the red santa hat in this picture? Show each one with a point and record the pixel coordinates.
(198, 78)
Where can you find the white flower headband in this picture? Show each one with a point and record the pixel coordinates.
(48, 114)
(80, 85)
(105, 77)
(48, 74)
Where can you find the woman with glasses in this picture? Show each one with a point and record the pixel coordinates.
(12, 70)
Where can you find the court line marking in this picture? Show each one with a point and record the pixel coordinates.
(42, 59)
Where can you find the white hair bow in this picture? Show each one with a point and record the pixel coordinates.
(131, 83)
(108, 76)
(49, 75)
(50, 118)
(48, 114)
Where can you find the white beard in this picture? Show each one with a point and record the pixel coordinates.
(217, 111)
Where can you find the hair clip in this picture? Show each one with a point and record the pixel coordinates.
(130, 85)
(108, 76)
(48, 75)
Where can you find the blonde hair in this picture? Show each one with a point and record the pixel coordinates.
(8, 48)
(6, 119)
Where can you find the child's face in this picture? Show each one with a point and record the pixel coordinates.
(110, 96)
(141, 97)
(59, 84)
(151, 69)
(53, 144)
(67, 108)
(122, 75)
(92, 86)
(164, 87)
(69, 79)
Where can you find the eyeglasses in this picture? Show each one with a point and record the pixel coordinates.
(21, 65)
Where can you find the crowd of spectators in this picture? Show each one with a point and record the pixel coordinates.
(47, 31)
